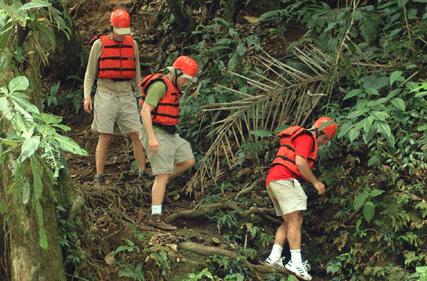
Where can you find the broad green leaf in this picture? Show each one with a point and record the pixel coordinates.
(384, 128)
(331, 268)
(4, 37)
(421, 94)
(396, 76)
(22, 100)
(39, 214)
(394, 93)
(261, 133)
(241, 49)
(24, 113)
(26, 191)
(422, 128)
(375, 192)
(344, 128)
(369, 211)
(360, 199)
(5, 108)
(353, 134)
(21, 126)
(414, 87)
(48, 118)
(369, 135)
(356, 113)
(35, 4)
(374, 82)
(29, 146)
(70, 145)
(399, 103)
(367, 123)
(373, 91)
(43, 238)
(421, 269)
(232, 63)
(4, 90)
(402, 3)
(37, 181)
(224, 42)
(62, 127)
(373, 160)
(19, 83)
(352, 93)
(380, 115)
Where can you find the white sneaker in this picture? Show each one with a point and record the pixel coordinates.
(275, 263)
(300, 270)
(307, 265)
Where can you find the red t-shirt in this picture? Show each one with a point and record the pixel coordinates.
(303, 146)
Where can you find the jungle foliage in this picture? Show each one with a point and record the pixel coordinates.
(361, 62)
(373, 218)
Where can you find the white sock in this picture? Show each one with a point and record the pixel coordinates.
(276, 252)
(156, 209)
(296, 256)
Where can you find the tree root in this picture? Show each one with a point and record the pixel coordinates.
(210, 209)
(209, 251)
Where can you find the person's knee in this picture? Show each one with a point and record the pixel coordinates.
(162, 178)
(134, 136)
(293, 219)
(104, 140)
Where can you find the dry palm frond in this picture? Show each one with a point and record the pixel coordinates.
(286, 93)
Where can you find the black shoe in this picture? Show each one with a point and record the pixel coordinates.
(157, 222)
(99, 180)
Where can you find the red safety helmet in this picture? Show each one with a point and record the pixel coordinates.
(327, 125)
(187, 66)
(120, 21)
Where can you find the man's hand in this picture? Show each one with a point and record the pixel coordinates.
(153, 144)
(87, 105)
(320, 187)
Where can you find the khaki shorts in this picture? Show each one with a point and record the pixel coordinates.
(287, 196)
(110, 109)
(172, 150)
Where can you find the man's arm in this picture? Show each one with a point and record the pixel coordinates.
(90, 74)
(137, 64)
(303, 146)
(155, 93)
(148, 125)
(304, 168)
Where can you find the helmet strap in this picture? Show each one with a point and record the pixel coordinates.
(177, 74)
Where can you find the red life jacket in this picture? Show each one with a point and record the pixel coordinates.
(117, 61)
(286, 154)
(167, 110)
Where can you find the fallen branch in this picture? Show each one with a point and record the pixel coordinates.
(210, 209)
(210, 251)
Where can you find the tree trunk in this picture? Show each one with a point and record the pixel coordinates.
(182, 19)
(27, 259)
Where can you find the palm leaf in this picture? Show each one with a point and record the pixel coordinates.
(286, 93)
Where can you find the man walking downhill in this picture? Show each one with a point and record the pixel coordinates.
(114, 61)
(168, 153)
(294, 161)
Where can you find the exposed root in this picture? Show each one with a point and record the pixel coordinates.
(210, 209)
(209, 251)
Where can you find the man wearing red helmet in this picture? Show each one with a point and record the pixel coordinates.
(169, 154)
(294, 161)
(114, 61)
